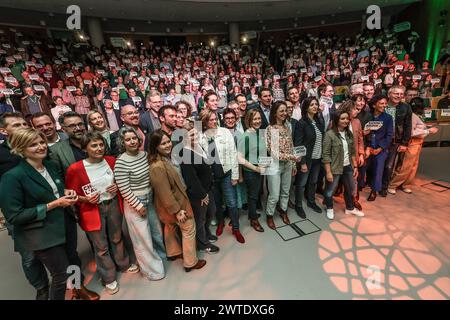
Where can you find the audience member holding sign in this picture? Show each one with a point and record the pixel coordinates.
(378, 142)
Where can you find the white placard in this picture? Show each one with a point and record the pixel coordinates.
(303, 70)
(416, 77)
(87, 82)
(120, 86)
(107, 51)
(154, 77)
(377, 81)
(169, 76)
(10, 79)
(34, 77)
(133, 74)
(71, 88)
(126, 61)
(136, 99)
(5, 70)
(428, 113)
(112, 64)
(265, 161)
(29, 63)
(435, 80)
(37, 56)
(2, 51)
(51, 46)
(373, 125)
(48, 75)
(10, 60)
(276, 77)
(6, 91)
(39, 43)
(102, 72)
(69, 75)
(6, 46)
(317, 79)
(300, 151)
(445, 112)
(58, 62)
(398, 67)
(21, 49)
(78, 65)
(364, 78)
(39, 88)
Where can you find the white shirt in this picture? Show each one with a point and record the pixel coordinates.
(100, 176)
(59, 111)
(44, 173)
(345, 146)
(297, 113)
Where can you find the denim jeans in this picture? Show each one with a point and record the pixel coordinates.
(253, 181)
(203, 216)
(55, 260)
(224, 188)
(347, 177)
(109, 236)
(279, 185)
(33, 269)
(308, 178)
(156, 231)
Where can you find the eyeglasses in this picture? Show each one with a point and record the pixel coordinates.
(75, 125)
(230, 118)
(130, 113)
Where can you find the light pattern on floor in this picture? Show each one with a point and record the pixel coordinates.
(372, 259)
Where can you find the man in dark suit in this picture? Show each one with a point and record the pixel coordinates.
(264, 105)
(149, 120)
(33, 269)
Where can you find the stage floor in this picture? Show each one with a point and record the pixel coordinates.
(399, 250)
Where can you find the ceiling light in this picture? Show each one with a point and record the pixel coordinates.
(81, 37)
(212, 43)
(128, 43)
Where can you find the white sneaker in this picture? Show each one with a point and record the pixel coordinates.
(133, 269)
(407, 190)
(112, 288)
(330, 214)
(391, 191)
(355, 212)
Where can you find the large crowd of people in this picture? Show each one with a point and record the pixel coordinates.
(175, 140)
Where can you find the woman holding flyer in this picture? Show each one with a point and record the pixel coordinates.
(251, 151)
(100, 213)
(378, 142)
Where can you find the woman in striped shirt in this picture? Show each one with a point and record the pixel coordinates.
(133, 179)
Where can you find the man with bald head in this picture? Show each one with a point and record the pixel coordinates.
(130, 117)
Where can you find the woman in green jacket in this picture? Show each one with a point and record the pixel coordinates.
(35, 205)
(340, 162)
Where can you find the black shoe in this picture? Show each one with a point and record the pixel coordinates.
(300, 212)
(211, 249)
(42, 294)
(372, 196)
(314, 206)
(383, 193)
(212, 238)
(245, 206)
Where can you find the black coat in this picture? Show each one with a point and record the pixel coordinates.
(403, 124)
(305, 135)
(197, 175)
(7, 159)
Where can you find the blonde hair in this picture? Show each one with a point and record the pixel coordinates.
(249, 117)
(89, 114)
(22, 138)
(204, 117)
